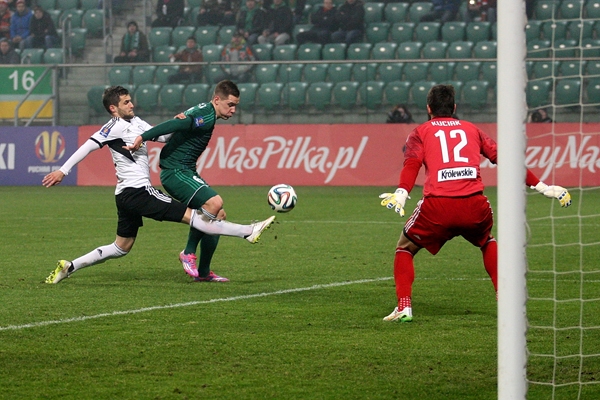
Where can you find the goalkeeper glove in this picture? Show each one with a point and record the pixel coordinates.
(557, 192)
(395, 200)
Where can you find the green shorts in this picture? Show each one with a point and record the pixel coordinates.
(186, 186)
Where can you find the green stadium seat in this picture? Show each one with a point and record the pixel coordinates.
(171, 97)
(546, 9)
(485, 49)
(489, 72)
(435, 50)
(225, 34)
(194, 3)
(159, 36)
(592, 68)
(146, 96)
(248, 94)
(213, 74)
(373, 12)
(364, 72)
(593, 91)
(285, 52)
(120, 75)
(402, 32)
(538, 49)
(538, 93)
(180, 35)
(54, 56)
(212, 52)
(315, 72)
(441, 71)
(409, 50)
(565, 48)
(571, 9)
(395, 12)
(460, 50)
(334, 51)
(554, 30)
(66, 4)
(87, 5)
(384, 51)
(263, 52)
(390, 72)
(580, 29)
(475, 93)
(265, 73)
(590, 48)
(299, 28)
(269, 95)
(478, 31)
(568, 92)
(453, 31)
(377, 32)
(94, 96)
(458, 85)
(359, 51)
(544, 69)
(397, 92)
(371, 94)
(161, 53)
(55, 16)
(196, 93)
(319, 95)
(339, 72)
(415, 72)
(427, 31)
(572, 68)
(417, 10)
(77, 40)
(93, 20)
(75, 15)
(419, 91)
(533, 30)
(51, 4)
(592, 9)
(309, 51)
(290, 73)
(164, 72)
(344, 94)
(294, 94)
(143, 74)
(467, 71)
(206, 35)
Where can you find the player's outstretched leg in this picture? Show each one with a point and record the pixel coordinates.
(404, 315)
(258, 228)
(60, 272)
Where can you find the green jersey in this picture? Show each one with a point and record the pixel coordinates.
(190, 137)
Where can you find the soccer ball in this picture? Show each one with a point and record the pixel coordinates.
(282, 198)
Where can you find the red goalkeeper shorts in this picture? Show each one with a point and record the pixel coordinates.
(438, 219)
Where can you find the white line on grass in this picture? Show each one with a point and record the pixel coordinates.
(191, 303)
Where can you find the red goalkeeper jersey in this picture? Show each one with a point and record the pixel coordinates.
(451, 151)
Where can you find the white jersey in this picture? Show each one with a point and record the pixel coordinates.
(132, 168)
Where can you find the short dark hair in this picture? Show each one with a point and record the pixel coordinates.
(112, 95)
(192, 38)
(226, 88)
(132, 23)
(440, 100)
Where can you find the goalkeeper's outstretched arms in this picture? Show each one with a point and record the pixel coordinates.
(552, 191)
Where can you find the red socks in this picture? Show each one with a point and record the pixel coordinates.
(404, 276)
(490, 260)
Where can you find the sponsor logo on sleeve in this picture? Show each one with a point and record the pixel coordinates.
(199, 122)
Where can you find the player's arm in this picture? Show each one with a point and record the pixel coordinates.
(551, 191)
(56, 177)
(164, 128)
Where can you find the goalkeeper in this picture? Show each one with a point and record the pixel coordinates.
(453, 203)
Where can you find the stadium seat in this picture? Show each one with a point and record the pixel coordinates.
(290, 73)
(475, 93)
(299, 28)
(87, 4)
(54, 56)
(565, 48)
(146, 96)
(94, 96)
(395, 12)
(339, 72)
(538, 49)
(171, 97)
(467, 71)
(397, 92)
(51, 4)
(590, 47)
(538, 93)
(371, 94)
(248, 94)
(213, 74)
(161, 53)
(554, 30)
(269, 95)
(568, 92)
(435, 50)
(390, 72)
(66, 4)
(401, 32)
(294, 94)
(458, 85)
(319, 95)
(93, 20)
(570, 9)
(263, 52)
(196, 93)
(119, 75)
(334, 51)
(164, 72)
(415, 72)
(74, 15)
(180, 35)
(309, 51)
(225, 34)
(441, 71)
(159, 36)
(265, 73)
(460, 50)
(206, 35)
(55, 16)
(194, 3)
(533, 30)
(285, 52)
(478, 31)
(344, 94)
(364, 72)
(580, 29)
(592, 67)
(377, 32)
(77, 40)
(143, 74)
(572, 68)
(453, 31)
(593, 91)
(409, 50)
(485, 49)
(315, 72)
(384, 51)
(417, 10)
(592, 9)
(489, 72)
(544, 69)
(419, 92)
(545, 9)
(212, 52)
(359, 51)
(373, 12)
(427, 31)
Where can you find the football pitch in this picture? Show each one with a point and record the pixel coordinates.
(301, 317)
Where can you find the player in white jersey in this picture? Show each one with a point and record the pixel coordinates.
(135, 195)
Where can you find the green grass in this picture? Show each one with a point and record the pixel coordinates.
(301, 317)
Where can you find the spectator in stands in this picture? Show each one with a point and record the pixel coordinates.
(12, 4)
(324, 23)
(169, 13)
(7, 54)
(540, 115)
(442, 11)
(251, 21)
(19, 24)
(42, 32)
(299, 11)
(350, 18)
(216, 12)
(191, 54)
(399, 115)
(5, 16)
(134, 46)
(280, 24)
(237, 52)
(480, 10)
